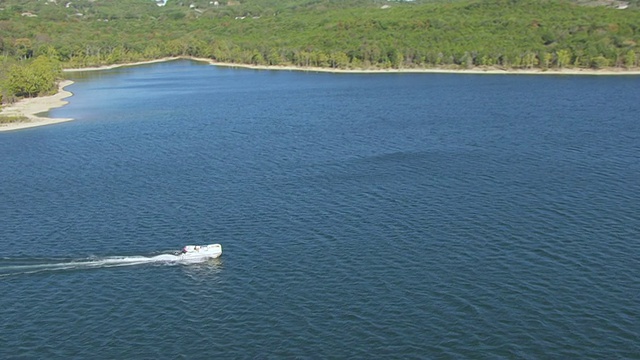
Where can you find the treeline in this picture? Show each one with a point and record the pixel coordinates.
(509, 34)
(35, 77)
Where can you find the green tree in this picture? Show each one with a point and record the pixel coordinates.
(563, 58)
(37, 78)
(466, 60)
(487, 60)
(530, 60)
(21, 81)
(599, 62)
(319, 58)
(546, 60)
(24, 48)
(339, 60)
(396, 58)
(630, 59)
(273, 57)
(257, 58)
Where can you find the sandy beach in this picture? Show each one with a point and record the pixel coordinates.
(476, 70)
(114, 66)
(488, 71)
(32, 106)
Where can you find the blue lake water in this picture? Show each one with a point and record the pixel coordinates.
(361, 216)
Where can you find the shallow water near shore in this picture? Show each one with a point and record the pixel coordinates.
(366, 216)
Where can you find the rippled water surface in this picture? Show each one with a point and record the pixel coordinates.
(365, 216)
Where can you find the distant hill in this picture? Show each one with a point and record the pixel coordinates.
(60, 10)
(509, 34)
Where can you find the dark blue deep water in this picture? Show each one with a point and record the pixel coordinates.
(361, 216)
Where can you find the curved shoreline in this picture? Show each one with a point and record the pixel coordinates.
(31, 107)
(475, 70)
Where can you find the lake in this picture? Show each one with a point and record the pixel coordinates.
(361, 216)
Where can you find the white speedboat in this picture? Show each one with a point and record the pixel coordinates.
(211, 251)
(193, 253)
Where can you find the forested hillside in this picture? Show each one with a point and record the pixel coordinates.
(324, 33)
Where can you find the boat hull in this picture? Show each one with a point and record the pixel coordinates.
(193, 253)
(211, 251)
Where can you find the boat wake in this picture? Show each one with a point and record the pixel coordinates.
(12, 267)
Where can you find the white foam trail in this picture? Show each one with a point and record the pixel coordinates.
(16, 269)
(165, 257)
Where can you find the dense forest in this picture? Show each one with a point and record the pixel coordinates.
(40, 37)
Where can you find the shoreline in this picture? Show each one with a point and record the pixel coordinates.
(475, 70)
(31, 107)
